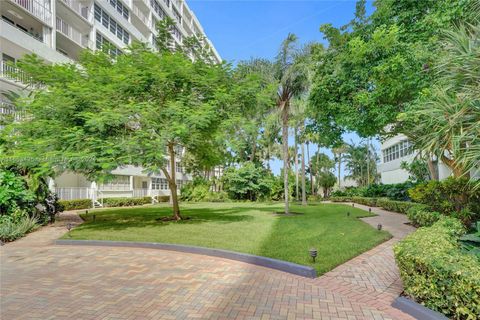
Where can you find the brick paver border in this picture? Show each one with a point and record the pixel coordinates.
(285, 266)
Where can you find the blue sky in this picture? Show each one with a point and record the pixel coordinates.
(243, 29)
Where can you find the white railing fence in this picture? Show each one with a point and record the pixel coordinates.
(38, 8)
(137, 193)
(74, 193)
(11, 72)
(140, 15)
(71, 32)
(76, 6)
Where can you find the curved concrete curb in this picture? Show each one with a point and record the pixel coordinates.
(281, 265)
(416, 310)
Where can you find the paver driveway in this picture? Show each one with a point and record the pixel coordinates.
(40, 280)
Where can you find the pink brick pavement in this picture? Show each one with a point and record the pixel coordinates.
(40, 280)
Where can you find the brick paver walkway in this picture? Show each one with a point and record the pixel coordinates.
(40, 280)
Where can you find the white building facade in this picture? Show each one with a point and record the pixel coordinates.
(57, 31)
(396, 150)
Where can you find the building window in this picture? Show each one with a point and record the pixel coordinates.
(176, 34)
(109, 23)
(158, 9)
(180, 184)
(117, 183)
(178, 167)
(102, 43)
(177, 15)
(120, 8)
(399, 150)
(159, 184)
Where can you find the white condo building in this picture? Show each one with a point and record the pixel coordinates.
(396, 150)
(57, 31)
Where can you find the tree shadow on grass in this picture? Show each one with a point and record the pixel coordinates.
(120, 219)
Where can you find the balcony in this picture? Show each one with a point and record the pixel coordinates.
(37, 9)
(76, 6)
(12, 73)
(140, 15)
(71, 33)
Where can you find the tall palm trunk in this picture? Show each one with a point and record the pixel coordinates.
(304, 194)
(339, 167)
(284, 109)
(310, 167)
(296, 163)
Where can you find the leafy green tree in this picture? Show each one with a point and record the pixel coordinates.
(326, 180)
(377, 66)
(247, 182)
(134, 109)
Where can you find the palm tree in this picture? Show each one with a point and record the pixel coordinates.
(338, 152)
(290, 71)
(361, 163)
(446, 125)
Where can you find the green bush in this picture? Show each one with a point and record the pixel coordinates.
(248, 182)
(14, 194)
(340, 199)
(372, 202)
(126, 202)
(10, 230)
(421, 216)
(436, 273)
(163, 198)
(398, 191)
(452, 196)
(76, 204)
(396, 206)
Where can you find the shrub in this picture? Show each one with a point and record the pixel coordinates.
(163, 198)
(10, 230)
(340, 199)
(452, 196)
(14, 194)
(76, 204)
(436, 273)
(372, 202)
(248, 182)
(126, 202)
(396, 206)
(421, 216)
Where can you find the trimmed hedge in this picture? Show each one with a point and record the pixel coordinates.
(437, 274)
(421, 216)
(163, 198)
(372, 202)
(76, 204)
(340, 199)
(126, 202)
(397, 206)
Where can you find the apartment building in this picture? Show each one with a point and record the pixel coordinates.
(57, 31)
(396, 150)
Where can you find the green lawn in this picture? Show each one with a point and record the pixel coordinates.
(244, 227)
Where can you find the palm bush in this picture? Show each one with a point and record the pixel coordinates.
(10, 230)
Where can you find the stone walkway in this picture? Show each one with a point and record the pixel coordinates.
(40, 280)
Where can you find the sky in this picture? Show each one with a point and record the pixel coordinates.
(242, 29)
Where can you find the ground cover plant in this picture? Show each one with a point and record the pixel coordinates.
(244, 227)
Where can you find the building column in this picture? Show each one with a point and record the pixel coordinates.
(131, 183)
(149, 192)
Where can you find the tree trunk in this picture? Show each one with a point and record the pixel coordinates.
(296, 163)
(304, 194)
(310, 167)
(432, 169)
(458, 170)
(284, 109)
(339, 167)
(317, 171)
(254, 150)
(172, 183)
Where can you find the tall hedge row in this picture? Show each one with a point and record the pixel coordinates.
(437, 274)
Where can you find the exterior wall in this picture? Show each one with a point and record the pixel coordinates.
(391, 171)
(70, 179)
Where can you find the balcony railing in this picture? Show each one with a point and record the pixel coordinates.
(38, 9)
(76, 6)
(11, 72)
(71, 33)
(8, 111)
(140, 15)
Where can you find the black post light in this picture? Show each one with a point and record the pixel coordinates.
(313, 253)
(379, 226)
